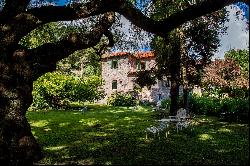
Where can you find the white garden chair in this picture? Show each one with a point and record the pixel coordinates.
(183, 123)
(181, 114)
(182, 119)
(157, 130)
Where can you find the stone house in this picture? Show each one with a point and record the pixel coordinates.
(119, 74)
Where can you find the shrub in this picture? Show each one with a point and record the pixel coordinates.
(235, 109)
(205, 105)
(57, 90)
(230, 109)
(121, 99)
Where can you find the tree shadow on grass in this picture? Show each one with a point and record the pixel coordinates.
(116, 135)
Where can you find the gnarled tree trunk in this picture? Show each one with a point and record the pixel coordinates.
(19, 68)
(17, 144)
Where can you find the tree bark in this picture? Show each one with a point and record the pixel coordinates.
(19, 68)
(174, 95)
(175, 69)
(17, 144)
(133, 14)
(175, 85)
(185, 98)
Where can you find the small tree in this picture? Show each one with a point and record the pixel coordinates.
(242, 58)
(225, 77)
(185, 51)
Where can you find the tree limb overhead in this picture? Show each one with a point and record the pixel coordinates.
(127, 9)
(13, 7)
(45, 57)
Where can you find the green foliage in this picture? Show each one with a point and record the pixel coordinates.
(230, 109)
(220, 92)
(240, 56)
(121, 99)
(235, 109)
(56, 90)
(205, 105)
(145, 78)
(86, 62)
(47, 33)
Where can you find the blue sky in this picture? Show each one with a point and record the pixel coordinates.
(58, 2)
(62, 2)
(245, 9)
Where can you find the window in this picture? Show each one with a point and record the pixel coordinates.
(140, 65)
(114, 64)
(159, 97)
(114, 84)
(143, 65)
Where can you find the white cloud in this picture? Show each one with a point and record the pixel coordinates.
(237, 36)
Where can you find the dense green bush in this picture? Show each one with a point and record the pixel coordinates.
(121, 99)
(57, 90)
(235, 109)
(230, 109)
(232, 92)
(205, 105)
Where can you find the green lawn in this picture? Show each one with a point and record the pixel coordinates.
(116, 135)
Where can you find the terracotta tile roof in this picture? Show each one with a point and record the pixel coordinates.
(140, 55)
(147, 54)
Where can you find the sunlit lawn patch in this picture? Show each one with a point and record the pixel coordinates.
(116, 135)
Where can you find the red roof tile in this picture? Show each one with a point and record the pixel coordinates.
(148, 54)
(140, 55)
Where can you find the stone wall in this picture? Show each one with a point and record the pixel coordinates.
(125, 82)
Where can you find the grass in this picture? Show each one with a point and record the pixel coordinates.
(116, 135)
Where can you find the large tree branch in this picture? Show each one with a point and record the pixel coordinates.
(161, 27)
(77, 11)
(13, 7)
(44, 58)
(73, 12)
(102, 48)
(18, 27)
